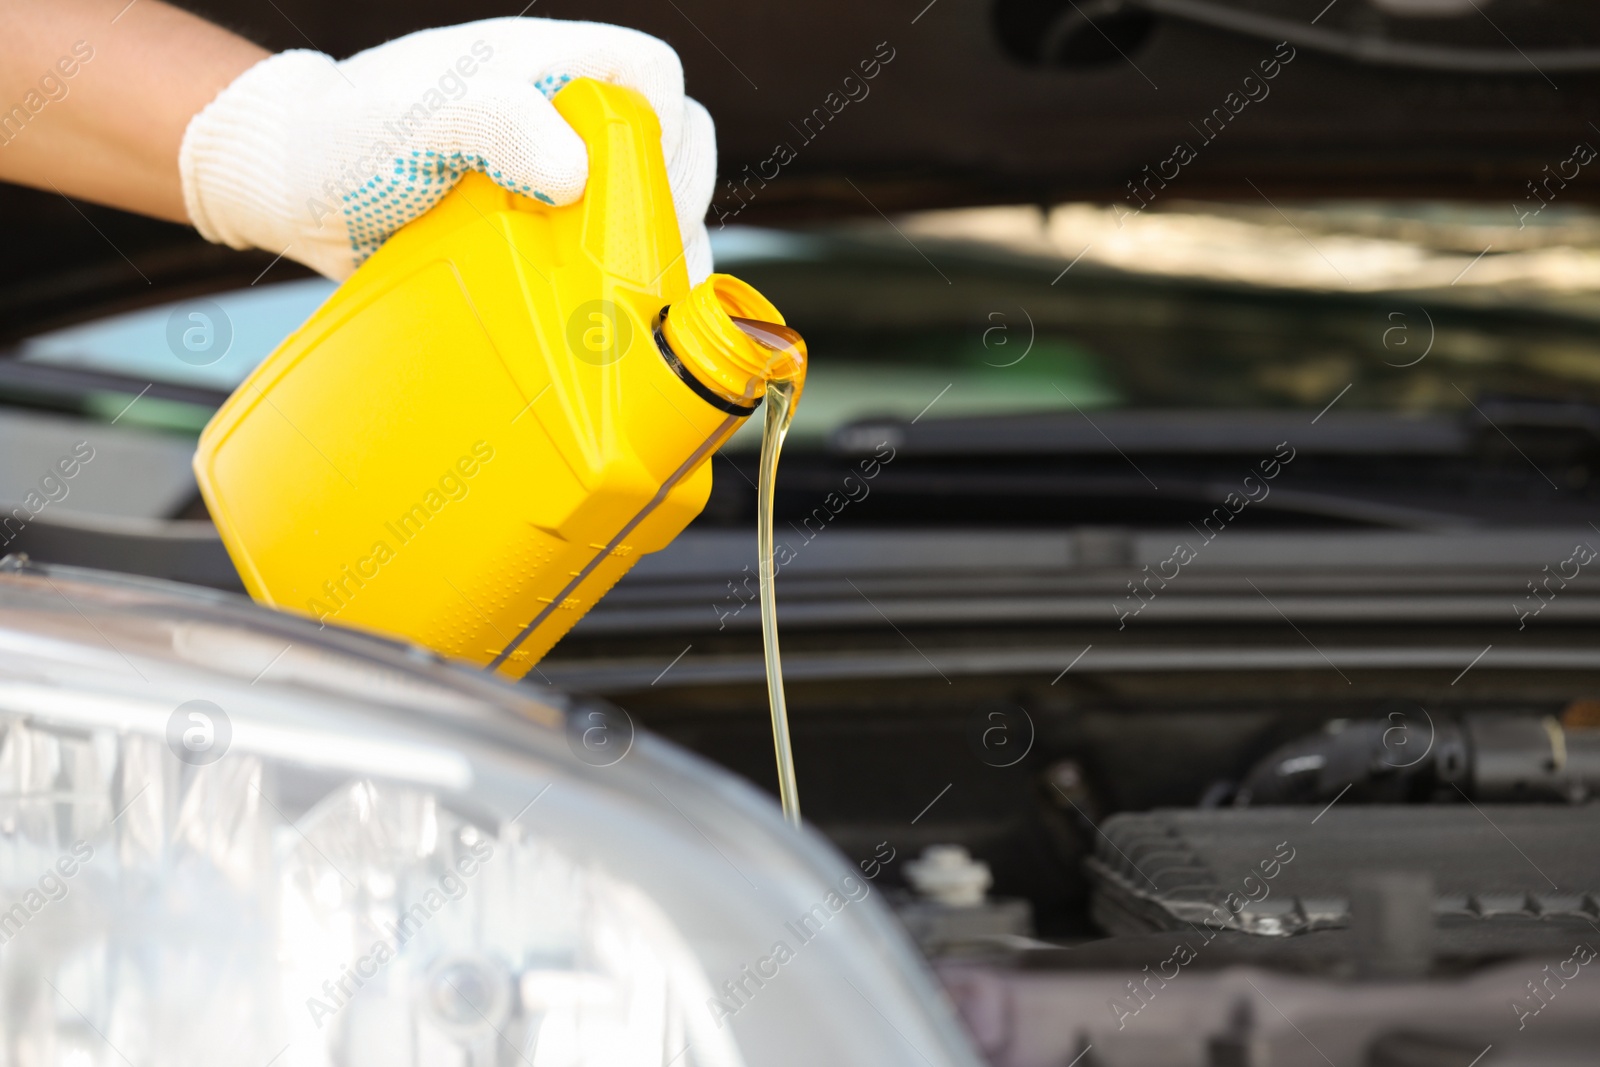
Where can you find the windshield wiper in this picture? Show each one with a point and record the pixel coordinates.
(58, 386)
(1164, 432)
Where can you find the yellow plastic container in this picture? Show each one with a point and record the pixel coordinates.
(492, 420)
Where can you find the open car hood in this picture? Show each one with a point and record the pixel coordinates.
(834, 108)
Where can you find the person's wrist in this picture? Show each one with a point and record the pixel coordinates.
(236, 152)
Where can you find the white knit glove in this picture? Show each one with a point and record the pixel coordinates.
(322, 161)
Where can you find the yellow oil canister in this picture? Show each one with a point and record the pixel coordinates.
(497, 414)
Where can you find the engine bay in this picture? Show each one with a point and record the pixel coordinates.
(1341, 817)
(1382, 890)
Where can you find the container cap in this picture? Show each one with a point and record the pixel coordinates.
(724, 357)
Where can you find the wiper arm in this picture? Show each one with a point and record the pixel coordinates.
(1367, 512)
(73, 383)
(1175, 432)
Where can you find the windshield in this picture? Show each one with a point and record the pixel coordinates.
(1404, 309)
(1010, 310)
(211, 342)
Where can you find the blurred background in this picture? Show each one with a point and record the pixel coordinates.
(1329, 170)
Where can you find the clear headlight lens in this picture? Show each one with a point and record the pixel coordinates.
(225, 835)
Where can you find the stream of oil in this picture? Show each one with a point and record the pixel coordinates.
(789, 354)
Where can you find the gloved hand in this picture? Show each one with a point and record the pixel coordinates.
(323, 160)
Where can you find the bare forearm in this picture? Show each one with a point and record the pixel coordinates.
(95, 96)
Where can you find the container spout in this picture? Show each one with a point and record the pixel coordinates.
(733, 340)
(786, 361)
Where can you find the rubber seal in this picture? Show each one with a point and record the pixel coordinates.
(699, 388)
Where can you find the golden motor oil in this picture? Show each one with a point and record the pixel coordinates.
(498, 413)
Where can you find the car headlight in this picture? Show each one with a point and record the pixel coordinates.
(231, 836)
